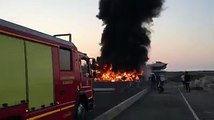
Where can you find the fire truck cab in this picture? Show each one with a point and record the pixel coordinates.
(42, 77)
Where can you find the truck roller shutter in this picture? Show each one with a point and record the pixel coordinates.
(40, 75)
(12, 71)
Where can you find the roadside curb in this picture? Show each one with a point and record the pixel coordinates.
(116, 110)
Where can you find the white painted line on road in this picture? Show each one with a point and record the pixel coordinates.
(189, 106)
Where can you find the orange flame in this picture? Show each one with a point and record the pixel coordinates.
(111, 76)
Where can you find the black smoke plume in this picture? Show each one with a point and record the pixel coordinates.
(126, 35)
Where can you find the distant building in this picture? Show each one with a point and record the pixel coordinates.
(157, 66)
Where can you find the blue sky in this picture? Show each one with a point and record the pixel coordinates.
(182, 36)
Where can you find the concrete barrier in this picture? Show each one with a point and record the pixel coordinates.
(110, 114)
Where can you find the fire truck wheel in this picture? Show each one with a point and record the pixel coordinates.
(81, 112)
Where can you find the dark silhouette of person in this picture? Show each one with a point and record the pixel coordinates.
(159, 80)
(153, 80)
(187, 81)
(160, 83)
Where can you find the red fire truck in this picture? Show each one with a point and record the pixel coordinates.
(42, 77)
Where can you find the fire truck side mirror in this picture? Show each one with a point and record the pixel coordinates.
(93, 64)
(94, 74)
(90, 76)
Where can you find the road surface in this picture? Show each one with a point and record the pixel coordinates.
(174, 104)
(114, 94)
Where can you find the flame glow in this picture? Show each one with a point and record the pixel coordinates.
(110, 76)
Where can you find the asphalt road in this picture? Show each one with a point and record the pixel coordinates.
(201, 102)
(167, 106)
(105, 100)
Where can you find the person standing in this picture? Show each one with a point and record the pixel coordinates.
(182, 80)
(160, 83)
(153, 80)
(187, 81)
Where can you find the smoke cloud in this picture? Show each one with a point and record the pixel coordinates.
(126, 35)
